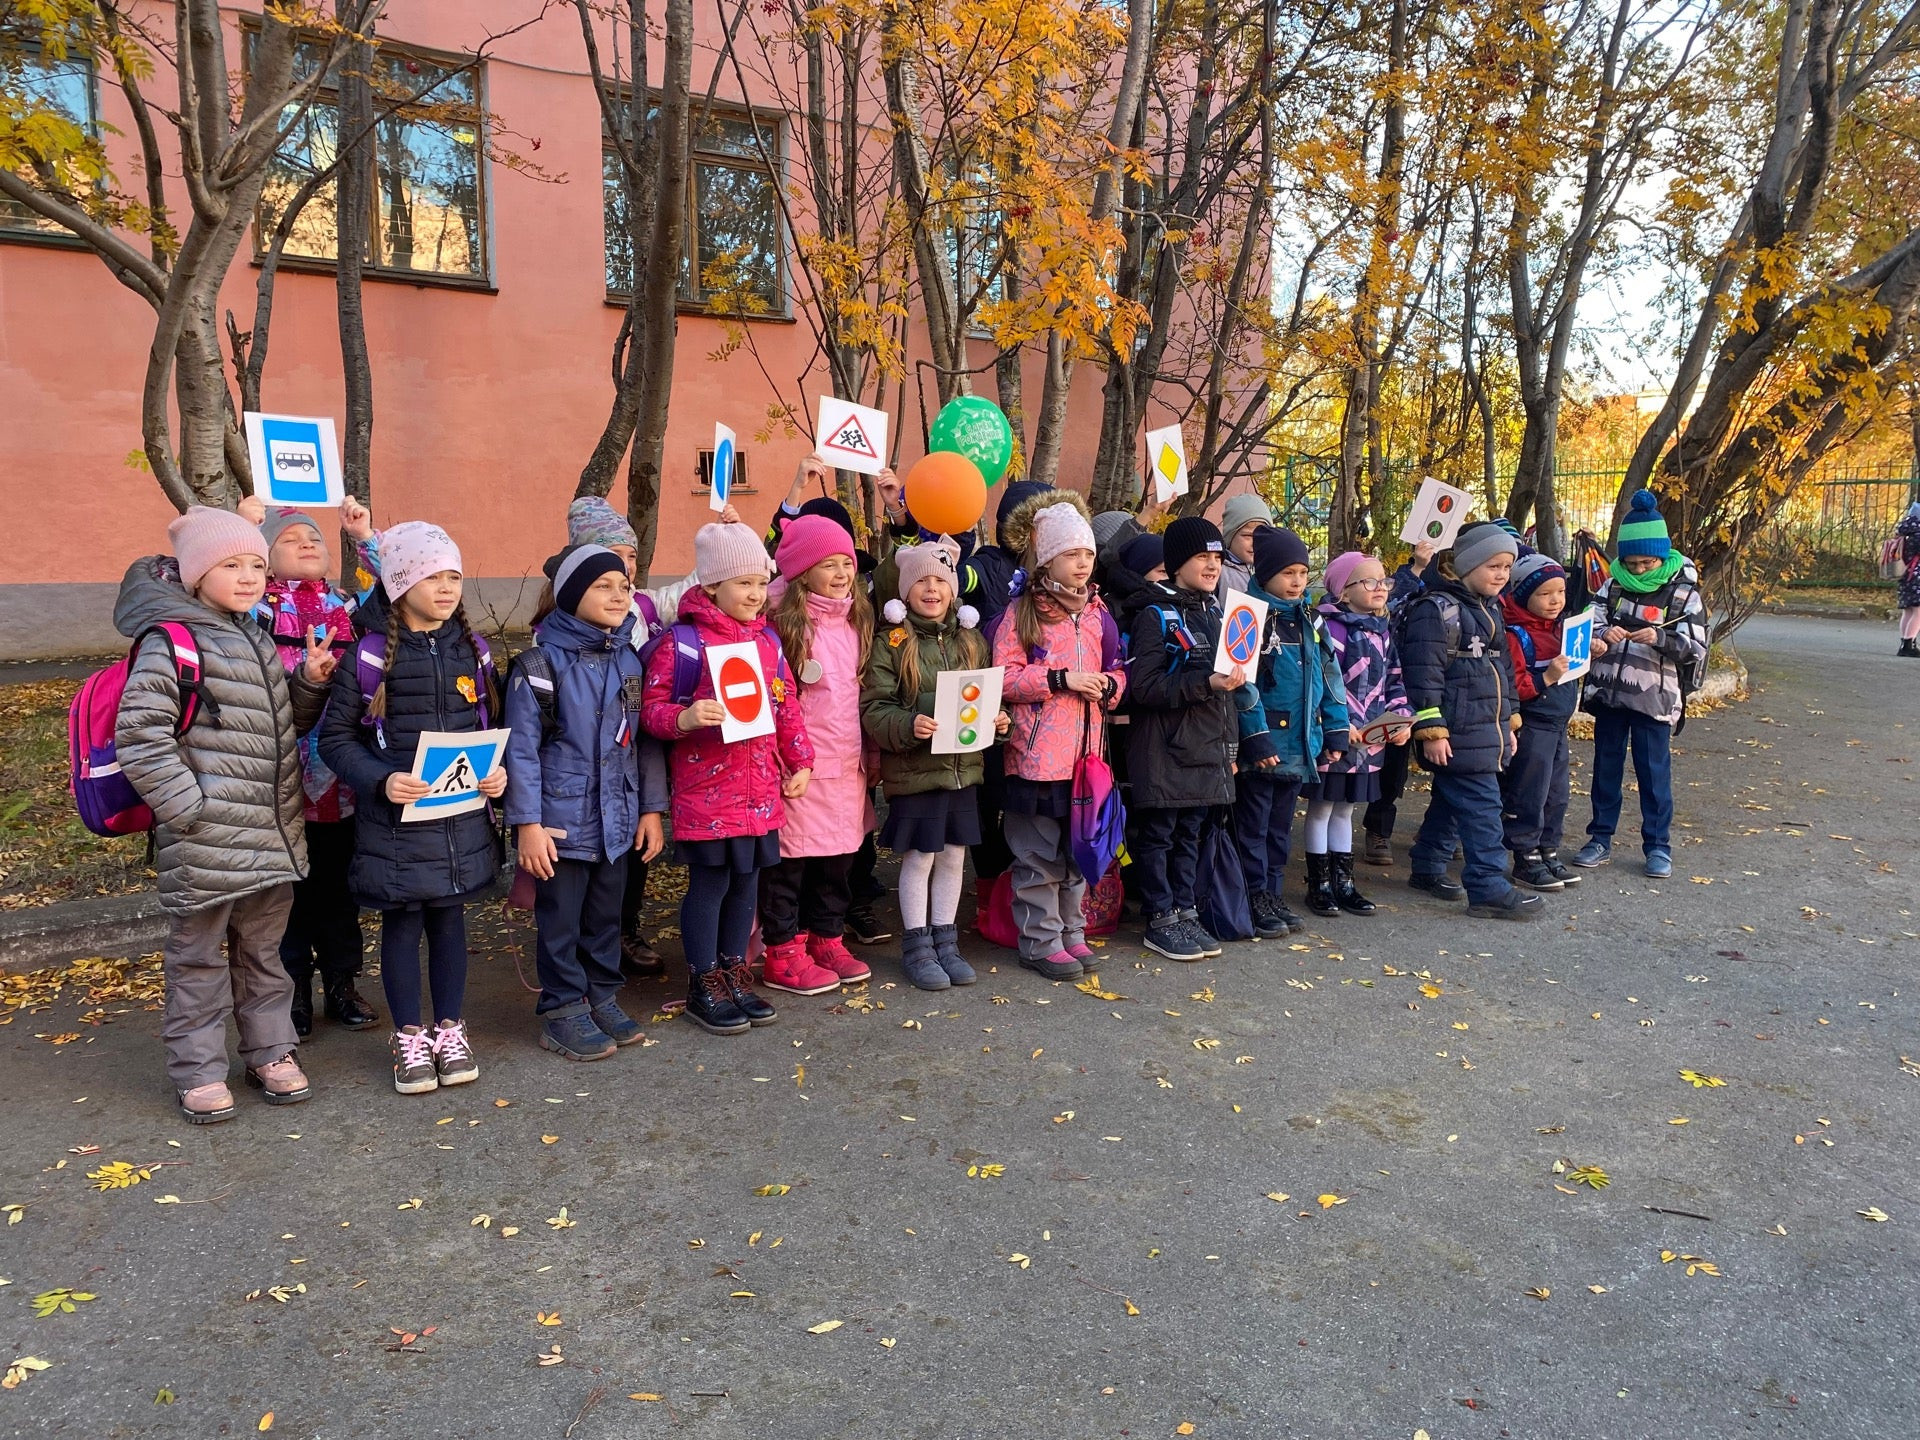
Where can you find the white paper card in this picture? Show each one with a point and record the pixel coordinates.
(965, 705)
(726, 452)
(452, 764)
(1167, 462)
(1241, 631)
(296, 460)
(851, 437)
(740, 685)
(1576, 643)
(1438, 512)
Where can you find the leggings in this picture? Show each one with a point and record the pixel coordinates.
(1910, 623)
(1330, 827)
(930, 886)
(445, 926)
(716, 918)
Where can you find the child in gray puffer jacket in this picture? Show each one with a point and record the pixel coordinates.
(226, 800)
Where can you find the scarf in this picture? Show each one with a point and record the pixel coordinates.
(1651, 581)
(1070, 599)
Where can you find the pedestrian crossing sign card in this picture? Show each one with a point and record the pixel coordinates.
(851, 437)
(452, 765)
(296, 460)
(1167, 462)
(1576, 643)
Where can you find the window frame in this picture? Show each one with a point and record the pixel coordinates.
(58, 237)
(481, 280)
(780, 311)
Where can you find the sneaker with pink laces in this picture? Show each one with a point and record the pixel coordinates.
(281, 1081)
(830, 952)
(414, 1072)
(207, 1104)
(452, 1055)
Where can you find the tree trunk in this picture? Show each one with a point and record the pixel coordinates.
(353, 197)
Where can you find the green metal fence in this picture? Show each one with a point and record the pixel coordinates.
(1828, 534)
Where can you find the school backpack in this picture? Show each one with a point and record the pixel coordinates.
(537, 668)
(370, 668)
(107, 802)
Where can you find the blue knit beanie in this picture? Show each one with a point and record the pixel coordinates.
(1530, 572)
(1644, 531)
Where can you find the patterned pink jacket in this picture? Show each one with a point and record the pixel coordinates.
(1045, 738)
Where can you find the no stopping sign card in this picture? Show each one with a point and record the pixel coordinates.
(965, 705)
(740, 685)
(1241, 630)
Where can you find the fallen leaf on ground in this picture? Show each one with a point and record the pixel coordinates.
(1185, 1427)
(643, 1395)
(19, 1370)
(1597, 1289)
(888, 1343)
(561, 1221)
(58, 1302)
(1023, 1261)
(1590, 1175)
(825, 1326)
(508, 1231)
(1327, 1202)
(548, 1317)
(413, 1204)
(773, 1190)
(1279, 1197)
(550, 1357)
(549, 1139)
(266, 1421)
(1701, 1082)
(1539, 1292)
(1873, 1213)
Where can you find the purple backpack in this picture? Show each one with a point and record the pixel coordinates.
(107, 802)
(370, 669)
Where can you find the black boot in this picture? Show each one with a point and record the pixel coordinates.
(1348, 898)
(346, 1007)
(1320, 887)
(303, 1004)
(740, 984)
(711, 1006)
(1911, 649)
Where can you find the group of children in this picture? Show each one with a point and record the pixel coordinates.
(281, 809)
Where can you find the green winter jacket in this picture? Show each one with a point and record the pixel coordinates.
(908, 765)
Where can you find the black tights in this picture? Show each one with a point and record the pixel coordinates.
(445, 927)
(716, 918)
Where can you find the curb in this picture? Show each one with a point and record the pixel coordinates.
(76, 929)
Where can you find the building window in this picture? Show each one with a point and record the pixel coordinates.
(428, 211)
(35, 83)
(703, 472)
(731, 262)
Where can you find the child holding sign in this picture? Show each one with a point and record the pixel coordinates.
(728, 799)
(825, 624)
(932, 800)
(1534, 787)
(325, 923)
(427, 672)
(586, 787)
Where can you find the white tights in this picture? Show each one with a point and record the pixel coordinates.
(1910, 623)
(931, 881)
(1329, 826)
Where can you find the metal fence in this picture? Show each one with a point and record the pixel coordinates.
(1828, 534)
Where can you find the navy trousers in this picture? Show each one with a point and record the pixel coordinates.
(1467, 808)
(1168, 858)
(577, 913)
(1615, 732)
(1534, 787)
(1263, 806)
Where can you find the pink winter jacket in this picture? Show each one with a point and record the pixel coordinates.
(833, 817)
(1045, 739)
(722, 790)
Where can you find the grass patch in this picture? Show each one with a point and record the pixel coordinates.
(46, 854)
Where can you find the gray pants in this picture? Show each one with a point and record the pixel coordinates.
(1047, 885)
(249, 981)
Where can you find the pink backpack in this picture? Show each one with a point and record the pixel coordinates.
(107, 802)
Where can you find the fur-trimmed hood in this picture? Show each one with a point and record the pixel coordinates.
(1016, 531)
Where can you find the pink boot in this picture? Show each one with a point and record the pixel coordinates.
(789, 969)
(830, 952)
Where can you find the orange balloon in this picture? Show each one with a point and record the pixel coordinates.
(946, 493)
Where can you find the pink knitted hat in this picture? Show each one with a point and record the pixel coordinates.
(1340, 570)
(413, 550)
(805, 542)
(203, 537)
(1057, 529)
(726, 552)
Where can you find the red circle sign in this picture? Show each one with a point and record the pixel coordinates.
(1242, 637)
(740, 688)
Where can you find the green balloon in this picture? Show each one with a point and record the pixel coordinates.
(975, 427)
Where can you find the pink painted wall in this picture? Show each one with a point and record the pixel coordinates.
(486, 404)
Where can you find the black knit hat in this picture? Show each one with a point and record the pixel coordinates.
(574, 570)
(1274, 550)
(1187, 537)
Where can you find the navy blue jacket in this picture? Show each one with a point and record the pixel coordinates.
(396, 864)
(1460, 685)
(592, 780)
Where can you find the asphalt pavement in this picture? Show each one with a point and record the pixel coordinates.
(1413, 1173)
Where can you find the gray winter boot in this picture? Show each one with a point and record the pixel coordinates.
(918, 961)
(946, 949)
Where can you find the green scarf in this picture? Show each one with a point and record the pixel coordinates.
(1646, 584)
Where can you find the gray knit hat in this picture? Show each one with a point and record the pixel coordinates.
(1244, 510)
(1476, 544)
(1106, 525)
(279, 520)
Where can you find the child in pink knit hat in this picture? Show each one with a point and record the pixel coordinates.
(729, 799)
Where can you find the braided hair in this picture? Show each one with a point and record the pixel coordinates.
(487, 677)
(377, 702)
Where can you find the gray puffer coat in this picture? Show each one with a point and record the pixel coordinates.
(226, 796)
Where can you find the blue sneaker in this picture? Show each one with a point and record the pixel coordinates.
(1659, 864)
(1593, 855)
(619, 1027)
(576, 1037)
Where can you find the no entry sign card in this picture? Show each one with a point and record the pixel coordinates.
(726, 454)
(1167, 462)
(1576, 643)
(740, 685)
(965, 705)
(296, 460)
(452, 764)
(1241, 630)
(1438, 512)
(851, 437)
